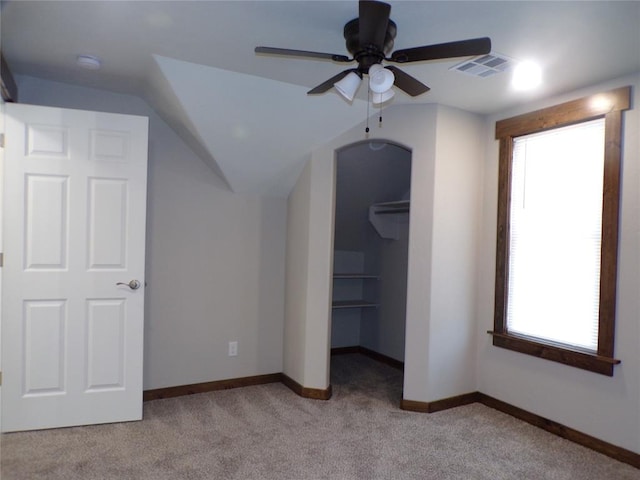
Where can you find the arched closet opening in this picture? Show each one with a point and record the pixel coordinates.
(370, 258)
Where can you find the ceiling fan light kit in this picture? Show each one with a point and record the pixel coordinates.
(380, 98)
(348, 86)
(369, 39)
(380, 79)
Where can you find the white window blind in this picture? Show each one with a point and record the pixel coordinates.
(555, 235)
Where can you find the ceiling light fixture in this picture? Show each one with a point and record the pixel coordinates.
(527, 75)
(380, 98)
(380, 79)
(88, 62)
(348, 86)
(375, 146)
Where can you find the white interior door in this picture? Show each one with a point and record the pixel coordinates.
(74, 238)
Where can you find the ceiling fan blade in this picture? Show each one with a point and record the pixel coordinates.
(372, 23)
(407, 83)
(325, 86)
(462, 48)
(303, 53)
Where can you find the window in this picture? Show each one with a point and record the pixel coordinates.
(556, 258)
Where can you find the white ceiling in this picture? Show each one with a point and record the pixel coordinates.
(248, 115)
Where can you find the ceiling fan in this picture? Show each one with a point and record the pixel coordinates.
(369, 38)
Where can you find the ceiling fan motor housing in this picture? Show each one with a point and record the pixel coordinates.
(367, 55)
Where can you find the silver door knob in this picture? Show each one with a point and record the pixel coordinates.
(133, 284)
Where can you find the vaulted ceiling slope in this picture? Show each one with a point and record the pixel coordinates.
(248, 116)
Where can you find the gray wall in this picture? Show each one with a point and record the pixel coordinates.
(387, 335)
(365, 176)
(345, 322)
(215, 259)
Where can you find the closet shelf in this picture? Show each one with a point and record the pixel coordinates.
(348, 281)
(386, 208)
(353, 304)
(357, 276)
(387, 217)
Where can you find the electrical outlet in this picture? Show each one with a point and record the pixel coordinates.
(233, 349)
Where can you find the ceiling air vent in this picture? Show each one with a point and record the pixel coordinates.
(485, 65)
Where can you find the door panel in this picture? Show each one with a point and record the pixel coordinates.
(105, 344)
(47, 222)
(44, 347)
(74, 228)
(107, 223)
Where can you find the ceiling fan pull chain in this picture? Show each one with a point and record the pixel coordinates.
(380, 117)
(366, 130)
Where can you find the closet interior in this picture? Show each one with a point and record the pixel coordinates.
(371, 239)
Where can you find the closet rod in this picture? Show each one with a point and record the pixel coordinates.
(387, 212)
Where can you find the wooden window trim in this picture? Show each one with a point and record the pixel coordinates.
(609, 105)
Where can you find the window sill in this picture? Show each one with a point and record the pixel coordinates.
(586, 361)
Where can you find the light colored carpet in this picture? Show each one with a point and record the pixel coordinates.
(267, 432)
